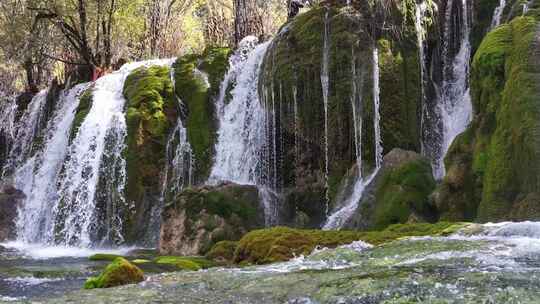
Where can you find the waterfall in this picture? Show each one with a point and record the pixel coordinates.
(24, 132)
(376, 113)
(325, 91)
(8, 111)
(497, 14)
(453, 101)
(350, 204)
(241, 122)
(37, 176)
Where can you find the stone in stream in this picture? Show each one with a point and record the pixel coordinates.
(119, 272)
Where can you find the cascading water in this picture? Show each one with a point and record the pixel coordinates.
(350, 204)
(68, 181)
(25, 131)
(325, 91)
(8, 111)
(376, 113)
(453, 99)
(37, 176)
(497, 14)
(242, 121)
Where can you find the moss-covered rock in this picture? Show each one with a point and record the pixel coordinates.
(493, 166)
(185, 263)
(119, 272)
(151, 112)
(222, 252)
(85, 104)
(291, 81)
(200, 217)
(399, 191)
(197, 83)
(283, 243)
(103, 257)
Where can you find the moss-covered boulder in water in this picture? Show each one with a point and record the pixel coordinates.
(200, 217)
(151, 113)
(197, 83)
(291, 81)
(493, 166)
(398, 192)
(283, 243)
(85, 104)
(119, 272)
(10, 201)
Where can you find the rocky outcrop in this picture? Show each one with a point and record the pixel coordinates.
(292, 93)
(493, 166)
(200, 217)
(398, 193)
(10, 200)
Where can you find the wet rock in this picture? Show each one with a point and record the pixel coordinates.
(200, 217)
(399, 193)
(119, 272)
(10, 200)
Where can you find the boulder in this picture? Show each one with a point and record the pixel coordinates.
(10, 200)
(200, 217)
(119, 272)
(398, 193)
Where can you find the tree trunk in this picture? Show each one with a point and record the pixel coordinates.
(247, 20)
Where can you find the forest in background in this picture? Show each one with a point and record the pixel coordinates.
(47, 39)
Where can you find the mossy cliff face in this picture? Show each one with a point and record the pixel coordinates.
(201, 217)
(197, 83)
(493, 166)
(151, 112)
(292, 94)
(397, 194)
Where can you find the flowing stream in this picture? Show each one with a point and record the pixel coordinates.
(491, 263)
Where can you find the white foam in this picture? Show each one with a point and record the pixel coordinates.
(32, 281)
(39, 251)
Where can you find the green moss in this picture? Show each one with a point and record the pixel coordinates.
(119, 272)
(150, 115)
(104, 257)
(222, 251)
(185, 263)
(403, 191)
(283, 243)
(193, 90)
(85, 104)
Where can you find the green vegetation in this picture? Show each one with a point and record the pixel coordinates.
(403, 190)
(222, 252)
(283, 243)
(85, 104)
(185, 263)
(104, 257)
(198, 94)
(119, 272)
(151, 113)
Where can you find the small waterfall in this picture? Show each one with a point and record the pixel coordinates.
(8, 111)
(497, 14)
(350, 204)
(241, 122)
(526, 6)
(325, 91)
(420, 15)
(96, 155)
(453, 99)
(242, 126)
(376, 105)
(37, 176)
(24, 132)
